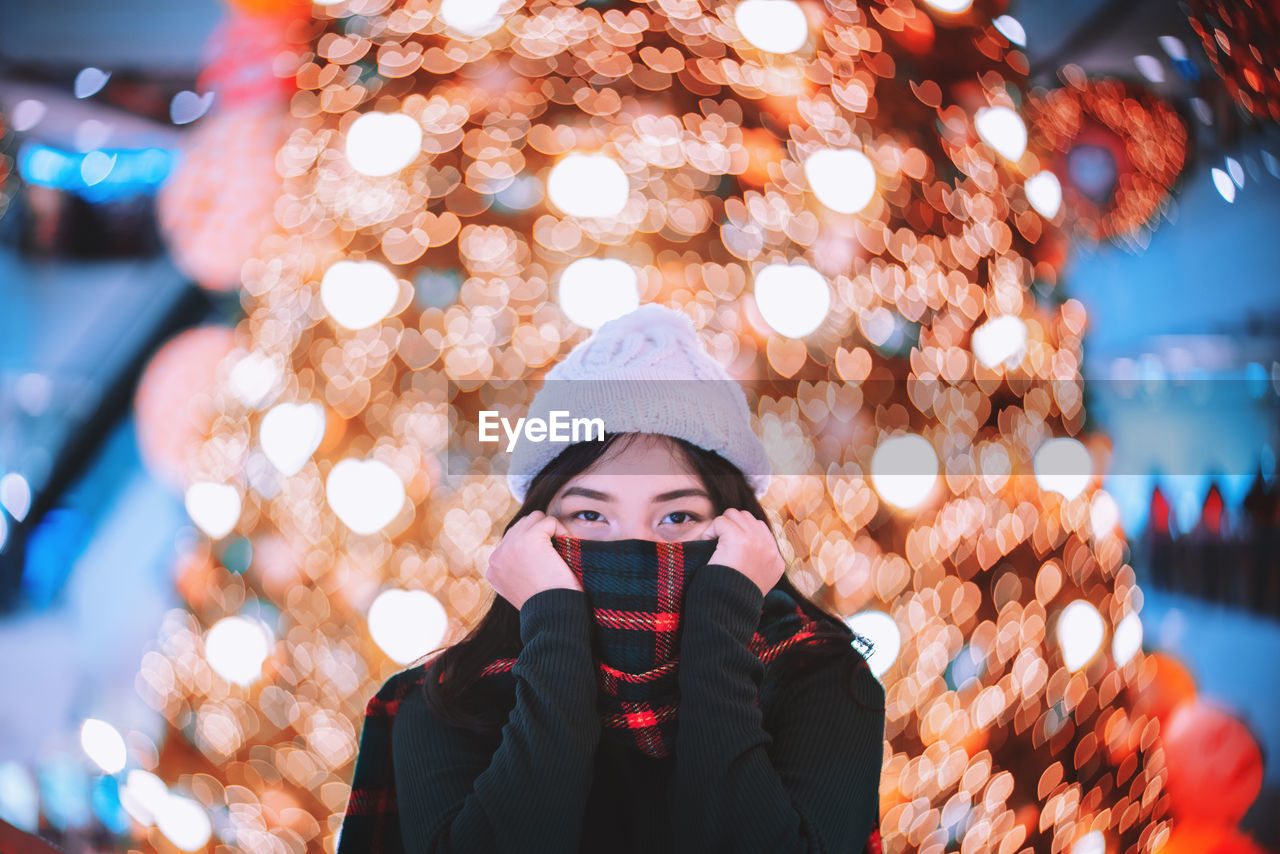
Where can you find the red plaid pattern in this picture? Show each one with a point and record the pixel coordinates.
(637, 619)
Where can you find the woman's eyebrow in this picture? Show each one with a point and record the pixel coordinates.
(681, 493)
(586, 493)
(657, 499)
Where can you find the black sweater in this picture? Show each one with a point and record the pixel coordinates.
(799, 773)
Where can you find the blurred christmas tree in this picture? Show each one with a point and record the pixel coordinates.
(843, 197)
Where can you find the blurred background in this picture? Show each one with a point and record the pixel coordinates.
(130, 197)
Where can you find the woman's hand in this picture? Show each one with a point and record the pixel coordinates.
(747, 545)
(525, 562)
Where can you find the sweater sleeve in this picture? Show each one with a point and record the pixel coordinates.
(459, 791)
(812, 783)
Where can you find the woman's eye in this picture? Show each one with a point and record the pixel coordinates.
(689, 517)
(578, 515)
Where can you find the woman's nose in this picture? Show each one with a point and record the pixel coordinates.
(632, 530)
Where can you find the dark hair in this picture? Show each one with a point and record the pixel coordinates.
(497, 635)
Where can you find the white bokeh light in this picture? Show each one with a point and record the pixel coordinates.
(358, 294)
(1236, 171)
(89, 80)
(1092, 842)
(1012, 29)
(588, 185)
(381, 144)
(15, 495)
(1149, 67)
(236, 647)
(1174, 47)
(253, 379)
(879, 628)
(407, 624)
(184, 822)
(1002, 129)
(1104, 514)
(27, 114)
(1127, 639)
(1001, 340)
(594, 291)
(1222, 181)
(104, 745)
(843, 179)
(365, 494)
(775, 26)
(143, 795)
(19, 796)
(290, 434)
(793, 298)
(1080, 633)
(472, 17)
(1063, 465)
(214, 507)
(904, 469)
(1044, 192)
(953, 7)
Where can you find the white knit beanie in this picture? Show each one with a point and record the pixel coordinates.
(646, 372)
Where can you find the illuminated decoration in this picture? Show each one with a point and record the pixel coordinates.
(290, 434)
(1215, 764)
(383, 143)
(1115, 148)
(218, 204)
(1223, 184)
(236, 648)
(89, 81)
(250, 57)
(1063, 465)
(1044, 191)
(102, 743)
(184, 822)
(1242, 41)
(954, 7)
(365, 494)
(472, 17)
(15, 495)
(187, 106)
(1080, 633)
(776, 26)
(358, 294)
(904, 470)
(1002, 129)
(1012, 29)
(407, 624)
(792, 298)
(577, 158)
(842, 179)
(215, 507)
(1001, 340)
(1127, 640)
(594, 291)
(255, 379)
(173, 405)
(879, 628)
(588, 185)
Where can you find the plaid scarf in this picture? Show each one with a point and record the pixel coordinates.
(635, 589)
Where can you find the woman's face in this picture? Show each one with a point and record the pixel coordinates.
(646, 491)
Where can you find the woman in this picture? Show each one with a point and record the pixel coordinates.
(646, 679)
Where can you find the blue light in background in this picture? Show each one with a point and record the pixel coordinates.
(52, 549)
(131, 171)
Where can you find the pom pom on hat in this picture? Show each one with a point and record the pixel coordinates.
(646, 372)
